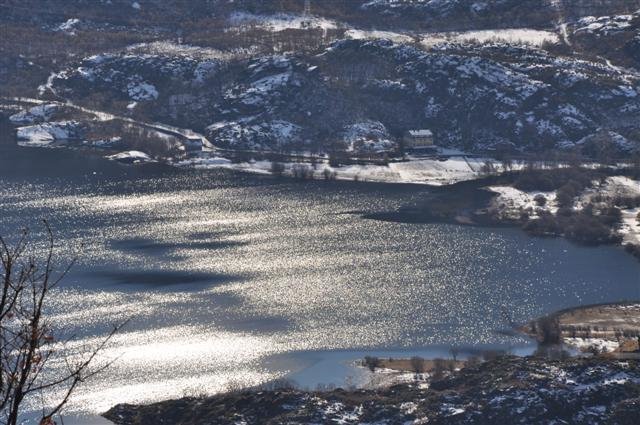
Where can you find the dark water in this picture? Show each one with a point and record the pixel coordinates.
(232, 280)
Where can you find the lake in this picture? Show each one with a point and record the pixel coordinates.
(231, 280)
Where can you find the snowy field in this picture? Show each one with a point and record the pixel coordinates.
(509, 36)
(283, 21)
(396, 37)
(169, 48)
(416, 171)
(510, 202)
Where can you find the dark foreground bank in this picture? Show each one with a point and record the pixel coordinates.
(506, 390)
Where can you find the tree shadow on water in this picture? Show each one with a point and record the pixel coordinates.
(152, 247)
(168, 278)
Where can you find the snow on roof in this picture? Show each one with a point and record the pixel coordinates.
(420, 133)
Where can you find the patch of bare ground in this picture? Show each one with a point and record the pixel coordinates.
(414, 364)
(604, 329)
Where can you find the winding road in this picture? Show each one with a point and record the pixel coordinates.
(181, 133)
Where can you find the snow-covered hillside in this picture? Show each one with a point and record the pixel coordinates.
(476, 96)
(514, 76)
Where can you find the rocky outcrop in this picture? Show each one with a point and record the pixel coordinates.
(615, 37)
(474, 14)
(506, 390)
(49, 133)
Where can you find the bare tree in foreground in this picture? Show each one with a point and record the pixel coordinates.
(27, 347)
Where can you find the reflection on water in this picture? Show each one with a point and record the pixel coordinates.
(165, 277)
(221, 273)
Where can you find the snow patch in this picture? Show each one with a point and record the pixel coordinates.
(602, 25)
(602, 345)
(268, 135)
(68, 26)
(131, 157)
(141, 90)
(170, 49)
(47, 134)
(34, 114)
(511, 202)
(358, 34)
(281, 21)
(367, 136)
(514, 36)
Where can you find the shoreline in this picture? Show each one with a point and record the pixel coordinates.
(507, 387)
(485, 200)
(603, 329)
(410, 381)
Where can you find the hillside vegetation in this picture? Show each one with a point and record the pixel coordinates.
(342, 76)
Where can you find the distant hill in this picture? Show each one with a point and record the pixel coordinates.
(341, 75)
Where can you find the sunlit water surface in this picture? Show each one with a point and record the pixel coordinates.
(231, 280)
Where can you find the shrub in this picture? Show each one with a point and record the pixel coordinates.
(385, 160)
(633, 250)
(417, 364)
(439, 367)
(610, 216)
(626, 201)
(565, 212)
(548, 329)
(241, 156)
(372, 363)
(334, 161)
(472, 361)
(567, 193)
(278, 384)
(588, 230)
(584, 227)
(548, 180)
(534, 181)
(544, 226)
(488, 168)
(277, 168)
(489, 355)
(302, 171)
(540, 200)
(329, 174)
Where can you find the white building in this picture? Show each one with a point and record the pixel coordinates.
(418, 139)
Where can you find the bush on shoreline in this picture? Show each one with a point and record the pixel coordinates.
(572, 179)
(582, 227)
(595, 223)
(633, 250)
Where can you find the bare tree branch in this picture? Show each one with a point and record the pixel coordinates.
(26, 352)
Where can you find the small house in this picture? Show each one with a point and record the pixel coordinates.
(418, 139)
